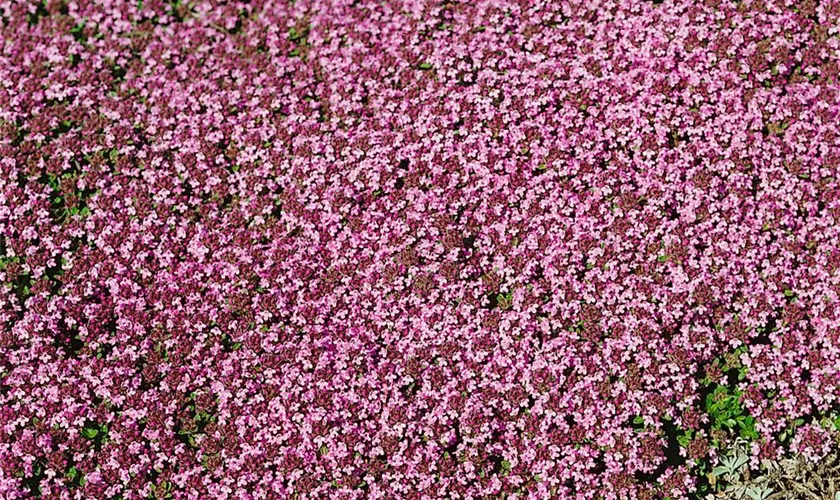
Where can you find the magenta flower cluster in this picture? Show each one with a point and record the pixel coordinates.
(414, 248)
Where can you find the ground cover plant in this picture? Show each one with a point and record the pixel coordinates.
(418, 249)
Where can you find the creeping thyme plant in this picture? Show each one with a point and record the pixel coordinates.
(269, 249)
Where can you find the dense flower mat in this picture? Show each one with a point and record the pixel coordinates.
(358, 249)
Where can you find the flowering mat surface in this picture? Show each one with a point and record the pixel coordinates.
(358, 249)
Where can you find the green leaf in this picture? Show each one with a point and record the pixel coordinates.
(749, 434)
(720, 471)
(299, 35)
(89, 432)
(505, 467)
(425, 66)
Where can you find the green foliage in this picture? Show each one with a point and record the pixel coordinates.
(90, 433)
(505, 300)
(790, 430)
(5, 261)
(684, 437)
(506, 467)
(726, 412)
(298, 36)
(33, 482)
(76, 477)
(723, 404)
(161, 491)
(66, 204)
(95, 432)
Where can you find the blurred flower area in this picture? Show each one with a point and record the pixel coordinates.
(417, 249)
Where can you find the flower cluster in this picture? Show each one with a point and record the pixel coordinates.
(414, 248)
